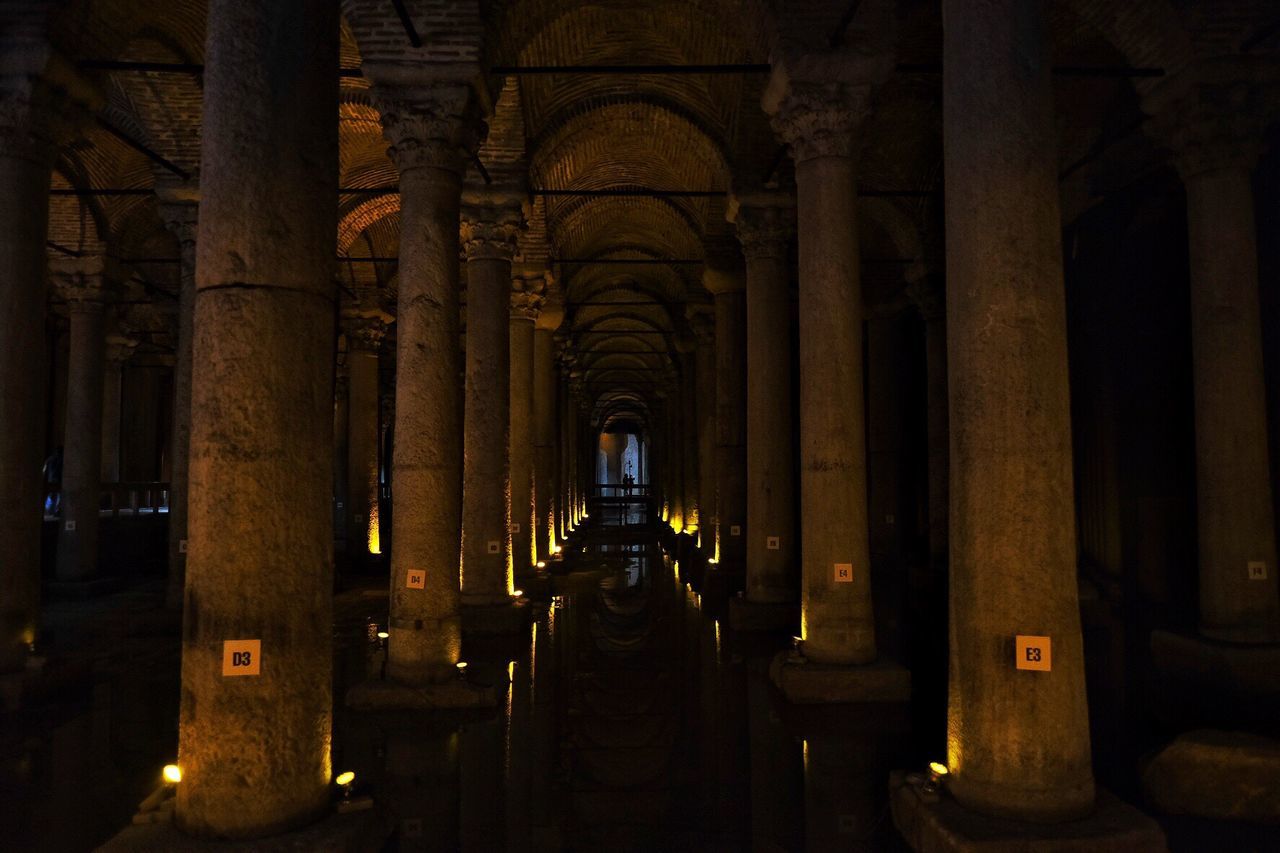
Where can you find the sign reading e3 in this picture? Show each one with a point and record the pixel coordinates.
(1033, 653)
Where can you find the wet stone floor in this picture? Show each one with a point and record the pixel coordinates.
(630, 718)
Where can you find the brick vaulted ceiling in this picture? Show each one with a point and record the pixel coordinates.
(590, 131)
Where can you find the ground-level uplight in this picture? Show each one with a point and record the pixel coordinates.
(172, 774)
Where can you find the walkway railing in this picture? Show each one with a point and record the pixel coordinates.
(619, 505)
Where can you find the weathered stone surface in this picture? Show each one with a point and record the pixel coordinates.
(1218, 775)
(254, 749)
(939, 824)
(1013, 537)
(1231, 669)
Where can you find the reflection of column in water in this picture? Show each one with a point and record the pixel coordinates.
(842, 794)
(542, 738)
(484, 779)
(420, 787)
(709, 722)
(519, 767)
(777, 775)
(733, 756)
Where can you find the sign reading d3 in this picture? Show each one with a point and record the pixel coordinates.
(242, 657)
(1033, 653)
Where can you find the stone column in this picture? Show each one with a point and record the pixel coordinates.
(429, 129)
(26, 154)
(365, 332)
(925, 290)
(180, 210)
(726, 283)
(491, 221)
(765, 227)
(341, 419)
(1017, 740)
(118, 350)
(689, 435)
(1211, 117)
(254, 747)
(83, 282)
(525, 304)
(820, 122)
(546, 479)
(703, 322)
(674, 463)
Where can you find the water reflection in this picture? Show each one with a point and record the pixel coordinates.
(630, 718)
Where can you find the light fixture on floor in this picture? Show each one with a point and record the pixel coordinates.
(516, 593)
(172, 774)
(542, 564)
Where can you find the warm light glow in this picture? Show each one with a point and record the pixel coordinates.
(172, 774)
(382, 635)
(461, 665)
(937, 769)
(511, 671)
(542, 564)
(345, 779)
(517, 592)
(713, 561)
(556, 550)
(375, 540)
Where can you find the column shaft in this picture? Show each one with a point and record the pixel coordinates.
(731, 402)
(112, 378)
(1233, 488)
(546, 483)
(771, 546)
(524, 305)
(837, 623)
(24, 221)
(181, 219)
(362, 451)
(486, 484)
(1018, 741)
(706, 394)
(426, 472)
(254, 749)
(82, 442)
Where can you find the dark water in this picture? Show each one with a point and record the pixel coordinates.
(629, 719)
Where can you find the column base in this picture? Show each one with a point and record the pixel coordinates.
(748, 615)
(342, 831)
(804, 682)
(1217, 775)
(377, 695)
(933, 822)
(79, 590)
(500, 618)
(1218, 667)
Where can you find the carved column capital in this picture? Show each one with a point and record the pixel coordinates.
(86, 283)
(491, 222)
(179, 210)
(817, 103)
(119, 349)
(1214, 115)
(766, 222)
(433, 126)
(365, 332)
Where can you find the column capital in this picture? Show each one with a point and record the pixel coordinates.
(119, 349)
(491, 221)
(1214, 114)
(365, 330)
(435, 125)
(179, 204)
(817, 103)
(525, 304)
(86, 283)
(766, 222)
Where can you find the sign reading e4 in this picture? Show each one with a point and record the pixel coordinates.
(242, 657)
(1033, 653)
(844, 573)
